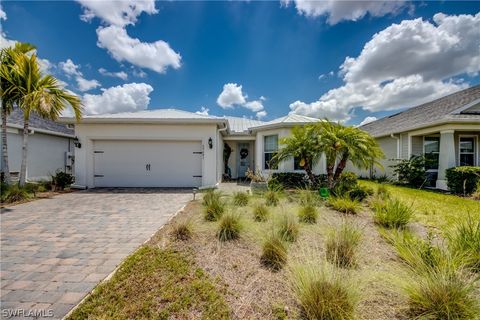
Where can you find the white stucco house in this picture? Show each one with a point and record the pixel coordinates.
(446, 131)
(174, 148)
(50, 146)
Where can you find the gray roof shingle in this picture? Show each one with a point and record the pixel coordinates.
(426, 114)
(37, 122)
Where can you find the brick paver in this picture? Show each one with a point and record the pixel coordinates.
(54, 251)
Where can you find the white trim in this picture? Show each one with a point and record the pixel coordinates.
(465, 107)
(447, 124)
(44, 131)
(409, 146)
(475, 147)
(423, 148)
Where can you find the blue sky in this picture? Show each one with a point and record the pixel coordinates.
(345, 61)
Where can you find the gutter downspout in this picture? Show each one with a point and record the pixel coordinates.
(218, 150)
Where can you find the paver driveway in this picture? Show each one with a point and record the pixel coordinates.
(54, 251)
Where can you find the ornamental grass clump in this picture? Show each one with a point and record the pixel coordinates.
(464, 240)
(342, 245)
(307, 197)
(323, 292)
(229, 227)
(344, 205)
(272, 198)
(382, 192)
(288, 228)
(182, 230)
(308, 214)
(260, 213)
(240, 199)
(392, 214)
(274, 252)
(15, 193)
(213, 204)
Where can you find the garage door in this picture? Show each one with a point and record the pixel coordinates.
(147, 163)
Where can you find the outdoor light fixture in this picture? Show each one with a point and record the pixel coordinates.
(210, 143)
(77, 143)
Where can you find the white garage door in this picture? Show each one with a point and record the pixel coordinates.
(147, 163)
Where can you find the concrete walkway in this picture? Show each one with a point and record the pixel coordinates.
(54, 251)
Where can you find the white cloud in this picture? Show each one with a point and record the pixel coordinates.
(125, 98)
(139, 73)
(403, 65)
(120, 74)
(113, 36)
(367, 120)
(45, 65)
(231, 95)
(261, 114)
(4, 42)
(3, 14)
(203, 111)
(119, 13)
(73, 70)
(157, 56)
(86, 85)
(337, 11)
(255, 105)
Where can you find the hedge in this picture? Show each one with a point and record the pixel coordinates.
(462, 180)
(292, 180)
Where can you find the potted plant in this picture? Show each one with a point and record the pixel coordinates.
(258, 183)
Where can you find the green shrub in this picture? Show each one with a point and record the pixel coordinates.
(15, 194)
(341, 245)
(442, 291)
(465, 241)
(392, 214)
(288, 228)
(462, 180)
(61, 180)
(272, 198)
(360, 193)
(294, 180)
(4, 187)
(274, 252)
(411, 171)
(476, 193)
(260, 213)
(229, 227)
(182, 230)
(240, 199)
(308, 214)
(347, 181)
(344, 205)
(31, 188)
(323, 292)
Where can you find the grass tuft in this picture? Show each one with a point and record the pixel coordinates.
(323, 292)
(213, 204)
(240, 199)
(465, 240)
(382, 192)
(260, 212)
(342, 244)
(182, 230)
(288, 228)
(274, 252)
(344, 205)
(307, 198)
(15, 194)
(229, 227)
(272, 198)
(392, 214)
(308, 214)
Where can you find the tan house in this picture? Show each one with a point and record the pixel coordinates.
(446, 131)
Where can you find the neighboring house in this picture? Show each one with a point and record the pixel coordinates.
(50, 146)
(446, 131)
(174, 148)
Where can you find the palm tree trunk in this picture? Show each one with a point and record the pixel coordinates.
(341, 166)
(330, 175)
(23, 168)
(309, 172)
(5, 167)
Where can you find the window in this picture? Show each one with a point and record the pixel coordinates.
(431, 147)
(296, 163)
(270, 147)
(467, 151)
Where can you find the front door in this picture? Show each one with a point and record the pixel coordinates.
(244, 158)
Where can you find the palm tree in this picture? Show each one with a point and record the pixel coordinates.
(7, 102)
(301, 144)
(346, 143)
(34, 92)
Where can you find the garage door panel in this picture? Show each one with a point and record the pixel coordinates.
(148, 163)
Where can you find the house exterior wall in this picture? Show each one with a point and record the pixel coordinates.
(285, 166)
(46, 153)
(87, 133)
